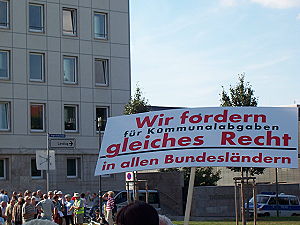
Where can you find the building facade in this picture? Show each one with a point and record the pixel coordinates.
(63, 64)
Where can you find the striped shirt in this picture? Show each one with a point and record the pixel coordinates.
(110, 203)
(28, 212)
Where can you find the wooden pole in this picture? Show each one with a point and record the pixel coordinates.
(243, 203)
(189, 196)
(236, 203)
(255, 203)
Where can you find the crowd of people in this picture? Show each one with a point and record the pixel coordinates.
(36, 207)
(19, 208)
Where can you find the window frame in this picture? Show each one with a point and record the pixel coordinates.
(44, 117)
(106, 75)
(76, 169)
(105, 26)
(4, 169)
(74, 21)
(35, 177)
(107, 116)
(76, 119)
(8, 116)
(75, 69)
(8, 64)
(43, 67)
(8, 15)
(42, 18)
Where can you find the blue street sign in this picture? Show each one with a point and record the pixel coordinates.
(57, 135)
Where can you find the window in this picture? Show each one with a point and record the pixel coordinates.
(100, 27)
(69, 22)
(101, 71)
(35, 173)
(4, 64)
(36, 66)
(103, 113)
(36, 18)
(70, 69)
(4, 116)
(70, 118)
(4, 14)
(37, 117)
(72, 168)
(283, 201)
(294, 201)
(2, 169)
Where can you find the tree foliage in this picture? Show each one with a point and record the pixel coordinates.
(205, 176)
(137, 103)
(241, 94)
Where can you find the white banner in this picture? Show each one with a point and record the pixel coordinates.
(217, 136)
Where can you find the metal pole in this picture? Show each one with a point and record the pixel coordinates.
(190, 196)
(99, 124)
(276, 178)
(48, 163)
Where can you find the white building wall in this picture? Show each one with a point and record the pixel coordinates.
(18, 145)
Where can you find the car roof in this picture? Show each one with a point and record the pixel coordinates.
(280, 195)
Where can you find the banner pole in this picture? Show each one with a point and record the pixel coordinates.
(189, 196)
(48, 164)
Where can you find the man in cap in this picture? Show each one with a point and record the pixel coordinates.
(78, 207)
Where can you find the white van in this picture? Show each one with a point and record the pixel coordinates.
(288, 205)
(153, 198)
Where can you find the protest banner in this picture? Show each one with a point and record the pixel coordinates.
(196, 137)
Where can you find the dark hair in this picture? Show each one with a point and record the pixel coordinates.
(137, 213)
(82, 195)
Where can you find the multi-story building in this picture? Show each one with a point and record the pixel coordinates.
(63, 63)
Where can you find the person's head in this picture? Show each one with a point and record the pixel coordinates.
(94, 195)
(3, 204)
(14, 193)
(76, 195)
(163, 220)
(137, 213)
(27, 199)
(45, 196)
(50, 194)
(55, 198)
(82, 195)
(2, 191)
(12, 201)
(33, 194)
(111, 194)
(59, 193)
(40, 193)
(68, 197)
(20, 200)
(33, 201)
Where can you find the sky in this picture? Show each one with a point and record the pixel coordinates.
(183, 52)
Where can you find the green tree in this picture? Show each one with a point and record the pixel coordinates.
(137, 103)
(205, 176)
(241, 94)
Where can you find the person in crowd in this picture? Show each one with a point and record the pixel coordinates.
(110, 204)
(82, 197)
(78, 207)
(57, 214)
(39, 195)
(46, 206)
(137, 213)
(20, 194)
(3, 206)
(61, 198)
(27, 210)
(9, 210)
(95, 203)
(14, 195)
(50, 194)
(3, 196)
(2, 221)
(163, 220)
(33, 203)
(40, 222)
(68, 214)
(17, 212)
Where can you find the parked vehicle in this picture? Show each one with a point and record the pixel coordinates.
(153, 198)
(288, 205)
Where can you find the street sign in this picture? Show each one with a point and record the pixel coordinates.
(57, 135)
(57, 143)
(42, 160)
(129, 176)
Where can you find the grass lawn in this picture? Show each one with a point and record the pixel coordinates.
(261, 221)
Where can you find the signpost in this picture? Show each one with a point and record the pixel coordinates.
(42, 160)
(58, 143)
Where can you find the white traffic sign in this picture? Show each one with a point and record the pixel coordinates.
(129, 176)
(42, 160)
(56, 143)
